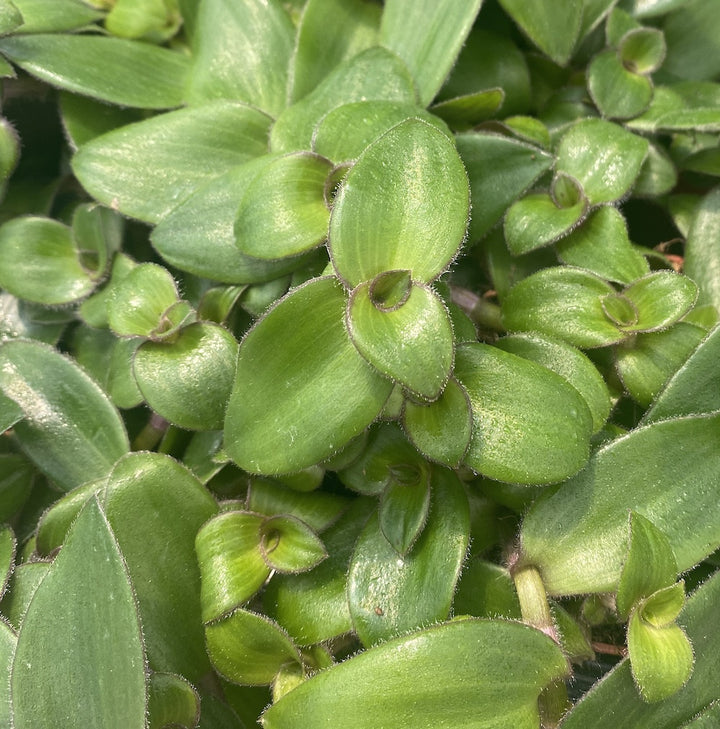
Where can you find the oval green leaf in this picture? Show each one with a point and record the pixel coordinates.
(147, 168)
(603, 157)
(660, 298)
(419, 217)
(232, 568)
(468, 674)
(307, 426)
(241, 51)
(39, 262)
(248, 648)
(388, 594)
(530, 426)
(188, 380)
(283, 211)
(410, 342)
(289, 545)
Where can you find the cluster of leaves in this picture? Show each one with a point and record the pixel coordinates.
(347, 368)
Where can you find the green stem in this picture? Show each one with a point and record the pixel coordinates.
(483, 312)
(535, 610)
(151, 434)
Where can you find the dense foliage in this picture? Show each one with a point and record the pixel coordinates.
(359, 364)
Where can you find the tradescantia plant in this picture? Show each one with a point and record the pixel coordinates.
(358, 364)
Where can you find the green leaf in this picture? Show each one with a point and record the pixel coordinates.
(7, 556)
(690, 33)
(617, 91)
(663, 606)
(642, 50)
(198, 235)
(562, 302)
(601, 245)
(650, 565)
(465, 112)
(248, 648)
(372, 469)
(706, 719)
(660, 299)
(330, 32)
(441, 430)
(467, 674)
(427, 35)
(646, 362)
(603, 157)
(109, 361)
(94, 310)
(368, 121)
(374, 74)
(71, 431)
(554, 33)
(307, 426)
(404, 506)
(146, 169)
(283, 212)
(318, 509)
(152, 20)
(664, 472)
(313, 606)
(17, 478)
(84, 118)
(131, 73)
(388, 594)
(10, 17)
(188, 380)
(500, 169)
(408, 339)
(8, 642)
(661, 659)
(289, 545)
(694, 389)
(241, 51)
(21, 588)
(702, 250)
(140, 301)
(156, 507)
(172, 701)
(567, 362)
(530, 426)
(39, 262)
(616, 704)
(65, 639)
(232, 567)
(486, 590)
(53, 16)
(420, 218)
(55, 523)
(540, 218)
(10, 413)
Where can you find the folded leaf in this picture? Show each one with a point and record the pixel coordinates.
(172, 701)
(409, 340)
(188, 380)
